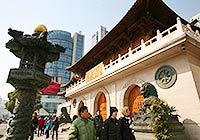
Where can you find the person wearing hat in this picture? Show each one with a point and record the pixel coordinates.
(111, 127)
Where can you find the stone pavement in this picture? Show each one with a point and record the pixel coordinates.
(2, 131)
(61, 136)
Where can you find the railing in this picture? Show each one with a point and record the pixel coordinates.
(187, 29)
(144, 49)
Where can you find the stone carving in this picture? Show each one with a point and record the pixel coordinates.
(166, 76)
(34, 52)
(144, 117)
(64, 117)
(143, 120)
(148, 90)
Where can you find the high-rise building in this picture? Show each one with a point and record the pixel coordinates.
(100, 33)
(78, 46)
(74, 51)
(195, 20)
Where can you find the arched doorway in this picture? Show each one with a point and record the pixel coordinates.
(100, 103)
(80, 104)
(133, 99)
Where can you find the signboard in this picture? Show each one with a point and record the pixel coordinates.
(94, 72)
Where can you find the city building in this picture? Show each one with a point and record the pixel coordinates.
(78, 47)
(74, 51)
(4, 113)
(195, 20)
(151, 43)
(99, 34)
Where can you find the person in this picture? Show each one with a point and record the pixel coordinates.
(98, 122)
(41, 123)
(48, 126)
(82, 128)
(111, 128)
(74, 117)
(34, 124)
(55, 126)
(125, 122)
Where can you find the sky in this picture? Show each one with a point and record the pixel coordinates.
(69, 15)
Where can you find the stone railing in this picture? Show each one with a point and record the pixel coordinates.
(143, 50)
(76, 85)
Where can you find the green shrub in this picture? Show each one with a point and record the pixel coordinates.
(162, 114)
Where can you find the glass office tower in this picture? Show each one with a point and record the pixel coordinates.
(74, 51)
(57, 68)
(99, 34)
(78, 46)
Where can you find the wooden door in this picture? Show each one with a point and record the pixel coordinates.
(135, 100)
(102, 106)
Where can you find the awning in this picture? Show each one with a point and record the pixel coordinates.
(42, 112)
(53, 88)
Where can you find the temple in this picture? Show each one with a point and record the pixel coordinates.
(151, 43)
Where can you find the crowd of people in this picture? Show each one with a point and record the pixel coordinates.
(43, 126)
(86, 127)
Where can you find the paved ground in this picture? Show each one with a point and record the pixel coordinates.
(61, 136)
(2, 131)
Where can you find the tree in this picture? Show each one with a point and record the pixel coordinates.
(11, 103)
(12, 97)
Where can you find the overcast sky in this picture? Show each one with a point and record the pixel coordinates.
(72, 16)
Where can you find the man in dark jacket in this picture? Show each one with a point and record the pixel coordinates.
(98, 122)
(34, 124)
(55, 126)
(111, 127)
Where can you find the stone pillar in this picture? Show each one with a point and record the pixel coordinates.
(20, 125)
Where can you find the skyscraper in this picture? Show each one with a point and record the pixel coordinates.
(78, 46)
(100, 33)
(195, 20)
(74, 51)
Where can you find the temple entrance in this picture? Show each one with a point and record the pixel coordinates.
(133, 99)
(100, 103)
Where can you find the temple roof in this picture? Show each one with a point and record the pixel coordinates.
(142, 15)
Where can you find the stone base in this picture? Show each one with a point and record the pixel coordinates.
(144, 136)
(142, 131)
(150, 136)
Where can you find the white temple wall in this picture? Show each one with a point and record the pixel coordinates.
(183, 94)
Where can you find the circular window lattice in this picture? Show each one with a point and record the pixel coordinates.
(165, 76)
